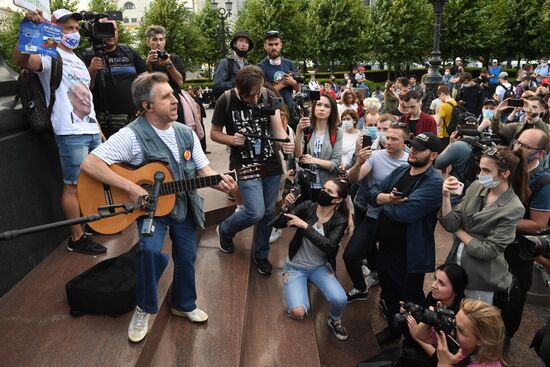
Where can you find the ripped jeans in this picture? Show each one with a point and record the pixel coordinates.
(295, 287)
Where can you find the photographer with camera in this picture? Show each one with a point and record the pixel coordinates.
(312, 252)
(247, 115)
(75, 139)
(479, 333)
(484, 224)
(318, 142)
(117, 66)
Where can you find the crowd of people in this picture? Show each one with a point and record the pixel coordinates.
(378, 165)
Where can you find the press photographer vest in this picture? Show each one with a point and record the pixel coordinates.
(154, 149)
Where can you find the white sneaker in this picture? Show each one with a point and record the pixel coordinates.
(275, 235)
(138, 326)
(197, 315)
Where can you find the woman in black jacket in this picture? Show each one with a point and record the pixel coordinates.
(312, 252)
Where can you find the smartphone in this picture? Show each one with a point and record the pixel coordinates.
(515, 102)
(459, 189)
(367, 141)
(398, 194)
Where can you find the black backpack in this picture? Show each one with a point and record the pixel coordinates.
(32, 96)
(456, 114)
(508, 92)
(108, 287)
(217, 89)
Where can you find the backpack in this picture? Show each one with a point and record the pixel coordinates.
(456, 114)
(108, 287)
(508, 92)
(218, 90)
(33, 98)
(472, 166)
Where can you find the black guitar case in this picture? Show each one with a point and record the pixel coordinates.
(108, 287)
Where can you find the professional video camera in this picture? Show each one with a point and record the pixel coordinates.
(267, 108)
(96, 31)
(302, 182)
(442, 319)
(535, 245)
(302, 103)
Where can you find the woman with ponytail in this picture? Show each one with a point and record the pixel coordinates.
(312, 252)
(484, 223)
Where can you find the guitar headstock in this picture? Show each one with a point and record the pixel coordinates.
(251, 172)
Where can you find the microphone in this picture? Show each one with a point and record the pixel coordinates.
(148, 228)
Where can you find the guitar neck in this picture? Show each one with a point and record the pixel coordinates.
(174, 187)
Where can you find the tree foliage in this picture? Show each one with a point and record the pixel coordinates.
(71, 5)
(286, 16)
(337, 40)
(208, 24)
(399, 31)
(183, 38)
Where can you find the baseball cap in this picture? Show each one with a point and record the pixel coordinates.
(425, 141)
(458, 59)
(545, 81)
(503, 75)
(495, 60)
(62, 15)
(244, 35)
(271, 34)
(490, 101)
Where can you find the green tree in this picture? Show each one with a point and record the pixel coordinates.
(209, 25)
(399, 31)
(288, 17)
(9, 31)
(71, 5)
(183, 38)
(337, 40)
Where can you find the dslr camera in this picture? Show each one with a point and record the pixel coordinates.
(442, 319)
(302, 103)
(162, 55)
(533, 246)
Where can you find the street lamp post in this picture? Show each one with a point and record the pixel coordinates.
(434, 78)
(223, 14)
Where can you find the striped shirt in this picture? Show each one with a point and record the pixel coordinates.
(123, 147)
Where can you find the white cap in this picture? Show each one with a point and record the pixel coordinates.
(61, 15)
(495, 60)
(458, 59)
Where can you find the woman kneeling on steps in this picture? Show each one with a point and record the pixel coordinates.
(312, 252)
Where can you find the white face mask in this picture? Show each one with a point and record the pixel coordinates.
(70, 40)
(347, 124)
(488, 181)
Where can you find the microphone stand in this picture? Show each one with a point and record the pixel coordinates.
(148, 228)
(103, 212)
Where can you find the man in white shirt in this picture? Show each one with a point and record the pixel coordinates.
(75, 139)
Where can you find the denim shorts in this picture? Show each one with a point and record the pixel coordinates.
(73, 149)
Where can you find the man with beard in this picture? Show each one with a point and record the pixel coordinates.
(224, 77)
(410, 197)
(278, 71)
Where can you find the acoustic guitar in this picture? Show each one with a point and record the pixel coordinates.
(93, 194)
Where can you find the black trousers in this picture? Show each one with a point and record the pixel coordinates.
(396, 283)
(361, 244)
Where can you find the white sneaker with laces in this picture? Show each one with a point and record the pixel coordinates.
(138, 326)
(275, 235)
(197, 315)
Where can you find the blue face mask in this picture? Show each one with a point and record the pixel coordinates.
(488, 181)
(488, 114)
(372, 132)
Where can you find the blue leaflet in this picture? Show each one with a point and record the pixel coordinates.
(39, 38)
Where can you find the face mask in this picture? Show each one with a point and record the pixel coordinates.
(382, 136)
(347, 124)
(324, 198)
(488, 114)
(372, 131)
(70, 40)
(488, 181)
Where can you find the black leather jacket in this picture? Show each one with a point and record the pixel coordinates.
(334, 230)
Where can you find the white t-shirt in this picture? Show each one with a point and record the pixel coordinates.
(500, 90)
(123, 147)
(74, 71)
(348, 147)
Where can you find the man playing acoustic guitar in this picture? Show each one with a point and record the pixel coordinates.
(155, 137)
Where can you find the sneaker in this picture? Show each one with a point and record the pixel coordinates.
(339, 330)
(264, 266)
(372, 279)
(85, 245)
(275, 235)
(138, 326)
(197, 315)
(357, 295)
(387, 335)
(226, 244)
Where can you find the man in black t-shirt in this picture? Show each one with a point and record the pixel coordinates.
(239, 111)
(410, 198)
(113, 102)
(169, 64)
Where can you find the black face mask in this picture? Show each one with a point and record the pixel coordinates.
(241, 53)
(324, 198)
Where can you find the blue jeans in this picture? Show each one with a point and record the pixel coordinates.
(151, 262)
(259, 200)
(295, 287)
(73, 149)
